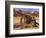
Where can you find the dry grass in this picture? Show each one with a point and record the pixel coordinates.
(17, 21)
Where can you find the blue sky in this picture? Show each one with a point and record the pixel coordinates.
(27, 9)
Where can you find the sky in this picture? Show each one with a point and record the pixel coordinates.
(27, 9)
